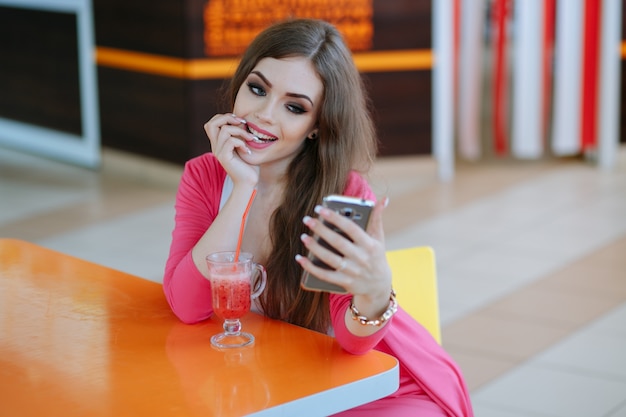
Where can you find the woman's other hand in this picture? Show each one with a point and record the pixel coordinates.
(363, 270)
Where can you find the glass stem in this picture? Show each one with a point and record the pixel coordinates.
(232, 327)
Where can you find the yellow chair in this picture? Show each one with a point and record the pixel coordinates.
(415, 282)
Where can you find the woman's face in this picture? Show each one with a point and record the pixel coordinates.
(280, 100)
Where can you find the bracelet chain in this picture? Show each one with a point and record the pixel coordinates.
(391, 310)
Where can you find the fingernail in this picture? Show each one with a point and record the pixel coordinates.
(298, 257)
(303, 236)
(238, 118)
(318, 209)
(306, 219)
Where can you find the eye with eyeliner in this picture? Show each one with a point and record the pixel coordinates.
(256, 89)
(294, 108)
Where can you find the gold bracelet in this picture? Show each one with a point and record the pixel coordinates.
(391, 310)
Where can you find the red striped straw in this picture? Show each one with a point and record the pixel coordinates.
(243, 225)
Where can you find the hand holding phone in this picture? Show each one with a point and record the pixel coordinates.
(357, 210)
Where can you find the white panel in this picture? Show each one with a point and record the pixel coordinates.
(527, 132)
(567, 77)
(610, 61)
(470, 78)
(443, 92)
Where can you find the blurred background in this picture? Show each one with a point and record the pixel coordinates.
(502, 147)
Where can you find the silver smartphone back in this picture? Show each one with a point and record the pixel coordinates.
(358, 210)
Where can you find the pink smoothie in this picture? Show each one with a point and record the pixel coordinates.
(231, 297)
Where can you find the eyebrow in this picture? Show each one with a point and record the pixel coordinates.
(266, 81)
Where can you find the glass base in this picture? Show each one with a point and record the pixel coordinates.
(226, 341)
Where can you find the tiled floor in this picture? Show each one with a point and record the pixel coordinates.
(531, 260)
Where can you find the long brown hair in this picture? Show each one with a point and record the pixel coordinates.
(345, 141)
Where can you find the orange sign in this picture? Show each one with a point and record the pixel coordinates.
(230, 25)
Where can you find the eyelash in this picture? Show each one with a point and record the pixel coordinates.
(257, 90)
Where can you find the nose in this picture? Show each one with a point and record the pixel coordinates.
(265, 112)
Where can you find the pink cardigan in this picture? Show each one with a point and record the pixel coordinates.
(427, 373)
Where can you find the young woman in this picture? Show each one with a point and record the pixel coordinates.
(298, 129)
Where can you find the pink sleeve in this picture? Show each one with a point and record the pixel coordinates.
(197, 205)
(356, 345)
(356, 187)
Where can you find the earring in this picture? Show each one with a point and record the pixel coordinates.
(313, 136)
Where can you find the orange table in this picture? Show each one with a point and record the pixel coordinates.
(80, 339)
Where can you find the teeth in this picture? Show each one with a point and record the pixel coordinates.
(259, 138)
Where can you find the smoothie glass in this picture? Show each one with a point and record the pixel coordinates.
(234, 284)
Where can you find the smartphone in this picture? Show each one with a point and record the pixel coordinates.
(356, 209)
